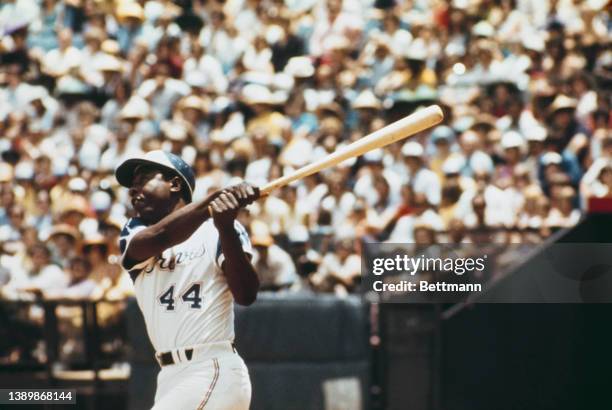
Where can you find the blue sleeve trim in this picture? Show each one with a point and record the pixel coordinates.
(243, 236)
(219, 250)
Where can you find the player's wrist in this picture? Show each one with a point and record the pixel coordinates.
(223, 223)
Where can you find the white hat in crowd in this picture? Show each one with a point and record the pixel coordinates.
(536, 133)
(300, 67)
(367, 99)
(412, 149)
(453, 165)
(512, 139)
(481, 163)
(174, 130)
(551, 158)
(100, 201)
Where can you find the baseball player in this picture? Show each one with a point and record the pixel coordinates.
(188, 268)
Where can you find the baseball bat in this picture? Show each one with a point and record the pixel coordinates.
(398, 130)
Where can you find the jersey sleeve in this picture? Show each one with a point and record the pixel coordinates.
(244, 240)
(131, 228)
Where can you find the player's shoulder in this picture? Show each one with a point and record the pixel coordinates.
(131, 225)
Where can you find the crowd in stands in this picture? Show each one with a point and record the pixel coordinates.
(252, 89)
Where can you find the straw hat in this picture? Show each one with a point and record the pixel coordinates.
(110, 46)
(95, 33)
(532, 192)
(109, 63)
(563, 102)
(330, 108)
(484, 119)
(114, 222)
(130, 10)
(541, 88)
(94, 240)
(64, 229)
(195, 102)
(76, 204)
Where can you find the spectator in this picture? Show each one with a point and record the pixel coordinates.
(562, 212)
(40, 277)
(63, 240)
(11, 232)
(95, 251)
(63, 59)
(307, 259)
(130, 16)
(340, 270)
(422, 179)
(274, 266)
(79, 285)
(403, 232)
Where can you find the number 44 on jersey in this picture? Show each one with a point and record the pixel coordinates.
(191, 296)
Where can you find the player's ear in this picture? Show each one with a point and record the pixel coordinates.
(175, 184)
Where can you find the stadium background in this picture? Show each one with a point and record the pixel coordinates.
(248, 89)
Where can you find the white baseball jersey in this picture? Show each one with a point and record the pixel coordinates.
(183, 294)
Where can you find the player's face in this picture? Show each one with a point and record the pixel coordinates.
(151, 194)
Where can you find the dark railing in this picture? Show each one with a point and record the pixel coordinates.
(15, 320)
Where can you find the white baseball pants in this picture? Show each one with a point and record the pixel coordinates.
(215, 378)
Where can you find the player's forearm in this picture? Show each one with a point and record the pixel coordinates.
(239, 272)
(173, 229)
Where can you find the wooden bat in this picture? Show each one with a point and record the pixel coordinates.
(400, 129)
